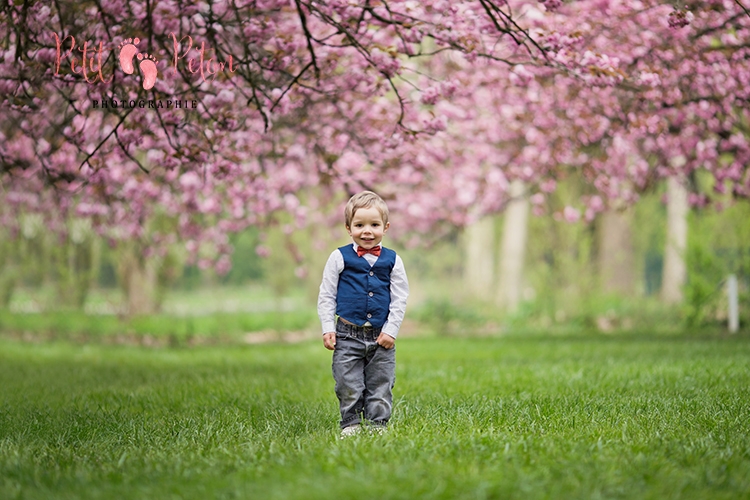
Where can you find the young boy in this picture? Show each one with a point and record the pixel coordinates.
(361, 305)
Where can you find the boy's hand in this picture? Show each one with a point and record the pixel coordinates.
(385, 340)
(329, 340)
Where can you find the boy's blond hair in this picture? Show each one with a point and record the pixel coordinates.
(365, 199)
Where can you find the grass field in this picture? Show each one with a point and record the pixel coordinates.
(535, 417)
(212, 315)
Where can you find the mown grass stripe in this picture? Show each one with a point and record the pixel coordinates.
(527, 418)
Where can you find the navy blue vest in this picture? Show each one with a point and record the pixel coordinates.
(364, 292)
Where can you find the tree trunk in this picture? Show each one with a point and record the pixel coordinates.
(616, 254)
(76, 269)
(139, 280)
(8, 269)
(513, 248)
(479, 268)
(674, 272)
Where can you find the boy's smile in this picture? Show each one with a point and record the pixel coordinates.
(367, 227)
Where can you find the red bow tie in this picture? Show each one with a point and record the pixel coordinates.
(374, 250)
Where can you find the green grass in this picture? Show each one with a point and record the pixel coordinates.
(177, 302)
(208, 315)
(538, 417)
(225, 327)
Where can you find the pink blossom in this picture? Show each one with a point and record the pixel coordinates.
(649, 79)
(596, 204)
(551, 5)
(190, 181)
(679, 18)
(223, 265)
(548, 186)
(430, 95)
(434, 125)
(571, 214)
(537, 199)
(521, 76)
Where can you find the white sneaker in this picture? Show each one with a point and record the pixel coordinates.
(352, 430)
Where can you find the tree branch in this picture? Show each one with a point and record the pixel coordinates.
(742, 7)
(308, 37)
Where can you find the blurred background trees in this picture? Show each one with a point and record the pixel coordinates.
(606, 274)
(557, 160)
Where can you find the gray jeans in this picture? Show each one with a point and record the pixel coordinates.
(365, 373)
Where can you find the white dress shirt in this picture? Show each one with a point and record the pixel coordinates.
(330, 284)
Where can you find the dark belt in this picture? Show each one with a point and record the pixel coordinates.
(344, 326)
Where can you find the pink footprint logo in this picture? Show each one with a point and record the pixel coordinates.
(148, 68)
(128, 50)
(147, 64)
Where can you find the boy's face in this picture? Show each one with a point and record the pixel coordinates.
(367, 227)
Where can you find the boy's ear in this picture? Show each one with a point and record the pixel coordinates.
(387, 225)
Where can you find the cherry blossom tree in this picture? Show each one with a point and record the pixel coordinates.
(438, 105)
(276, 97)
(648, 93)
(641, 85)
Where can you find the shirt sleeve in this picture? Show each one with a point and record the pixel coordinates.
(399, 294)
(328, 290)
